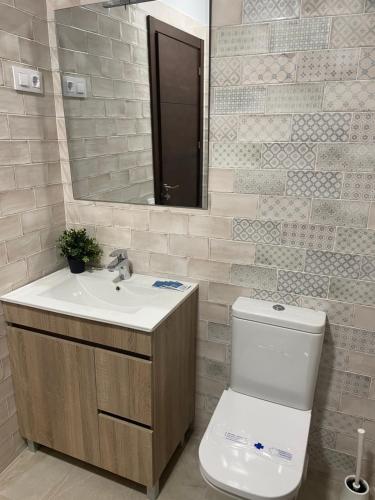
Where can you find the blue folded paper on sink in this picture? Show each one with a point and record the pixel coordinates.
(171, 285)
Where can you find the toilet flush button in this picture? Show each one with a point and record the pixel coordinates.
(279, 307)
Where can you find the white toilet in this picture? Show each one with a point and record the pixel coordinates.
(255, 445)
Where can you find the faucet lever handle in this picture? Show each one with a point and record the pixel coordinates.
(121, 254)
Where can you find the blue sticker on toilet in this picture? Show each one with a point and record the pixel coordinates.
(259, 446)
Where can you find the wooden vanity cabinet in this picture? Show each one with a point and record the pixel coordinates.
(113, 397)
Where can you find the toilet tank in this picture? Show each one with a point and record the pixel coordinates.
(276, 351)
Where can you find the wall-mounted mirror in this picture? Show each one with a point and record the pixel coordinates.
(135, 79)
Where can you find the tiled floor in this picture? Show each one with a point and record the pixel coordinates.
(49, 476)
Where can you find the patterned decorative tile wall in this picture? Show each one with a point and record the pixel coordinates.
(292, 216)
(31, 197)
(315, 223)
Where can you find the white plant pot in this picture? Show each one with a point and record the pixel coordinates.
(350, 494)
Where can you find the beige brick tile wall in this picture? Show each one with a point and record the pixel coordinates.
(31, 196)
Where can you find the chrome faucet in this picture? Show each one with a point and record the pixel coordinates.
(121, 264)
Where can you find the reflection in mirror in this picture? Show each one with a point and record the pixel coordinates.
(135, 87)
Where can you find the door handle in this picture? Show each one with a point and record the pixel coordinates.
(165, 192)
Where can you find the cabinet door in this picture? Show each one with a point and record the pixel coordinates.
(124, 386)
(55, 393)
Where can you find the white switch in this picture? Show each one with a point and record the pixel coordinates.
(27, 80)
(80, 88)
(23, 79)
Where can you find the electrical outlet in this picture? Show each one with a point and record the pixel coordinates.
(74, 86)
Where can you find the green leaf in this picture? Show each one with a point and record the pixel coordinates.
(76, 243)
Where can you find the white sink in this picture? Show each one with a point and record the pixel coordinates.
(92, 290)
(134, 303)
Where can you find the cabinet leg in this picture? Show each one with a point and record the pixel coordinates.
(32, 446)
(153, 492)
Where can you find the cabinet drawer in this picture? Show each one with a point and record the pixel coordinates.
(126, 449)
(95, 332)
(124, 386)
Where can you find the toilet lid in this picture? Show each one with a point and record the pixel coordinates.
(253, 448)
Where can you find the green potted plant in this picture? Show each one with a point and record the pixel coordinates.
(79, 249)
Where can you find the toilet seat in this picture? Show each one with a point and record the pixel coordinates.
(255, 449)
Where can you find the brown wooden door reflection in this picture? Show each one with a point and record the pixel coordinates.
(176, 69)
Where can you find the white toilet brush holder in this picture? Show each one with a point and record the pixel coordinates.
(355, 487)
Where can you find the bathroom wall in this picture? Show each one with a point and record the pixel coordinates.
(293, 133)
(292, 212)
(31, 196)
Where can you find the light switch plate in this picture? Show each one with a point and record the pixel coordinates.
(74, 86)
(27, 80)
